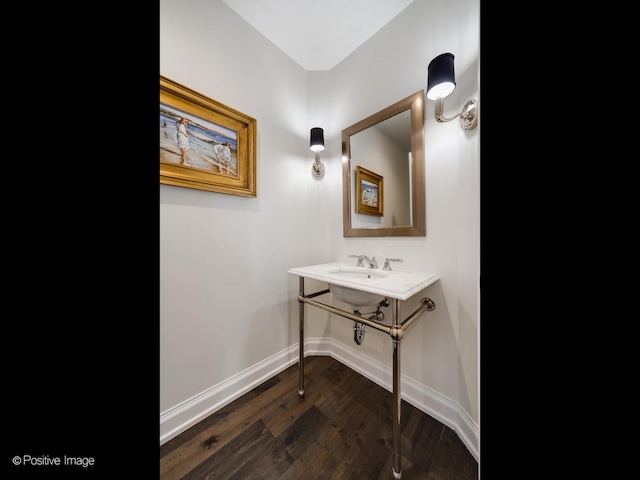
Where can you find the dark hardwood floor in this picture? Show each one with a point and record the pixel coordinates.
(341, 430)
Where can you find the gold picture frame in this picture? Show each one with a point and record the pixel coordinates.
(194, 131)
(369, 192)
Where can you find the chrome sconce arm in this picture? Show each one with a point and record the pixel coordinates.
(317, 167)
(441, 82)
(468, 115)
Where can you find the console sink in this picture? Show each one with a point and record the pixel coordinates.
(364, 286)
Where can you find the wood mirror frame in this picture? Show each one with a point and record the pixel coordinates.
(414, 103)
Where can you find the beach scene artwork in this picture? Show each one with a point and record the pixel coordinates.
(203, 137)
(369, 194)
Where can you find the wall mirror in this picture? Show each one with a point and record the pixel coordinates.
(383, 192)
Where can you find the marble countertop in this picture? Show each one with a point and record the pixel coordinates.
(398, 284)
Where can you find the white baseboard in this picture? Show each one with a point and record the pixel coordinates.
(177, 419)
(183, 416)
(420, 396)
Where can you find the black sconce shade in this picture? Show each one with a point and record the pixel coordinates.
(317, 139)
(441, 79)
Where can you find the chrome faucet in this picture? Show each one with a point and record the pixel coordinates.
(371, 261)
(387, 265)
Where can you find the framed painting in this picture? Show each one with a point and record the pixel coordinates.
(369, 192)
(204, 144)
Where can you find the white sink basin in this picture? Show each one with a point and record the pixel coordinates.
(363, 286)
(352, 296)
(357, 273)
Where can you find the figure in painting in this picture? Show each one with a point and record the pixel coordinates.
(222, 153)
(183, 139)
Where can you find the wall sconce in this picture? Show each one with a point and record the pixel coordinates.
(317, 145)
(441, 81)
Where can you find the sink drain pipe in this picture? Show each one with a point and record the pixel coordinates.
(377, 316)
(358, 331)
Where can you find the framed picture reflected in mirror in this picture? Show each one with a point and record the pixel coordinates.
(369, 192)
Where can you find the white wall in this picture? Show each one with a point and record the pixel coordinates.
(225, 296)
(228, 309)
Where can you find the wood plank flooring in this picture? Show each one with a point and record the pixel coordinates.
(341, 430)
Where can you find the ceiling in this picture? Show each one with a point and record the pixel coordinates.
(318, 34)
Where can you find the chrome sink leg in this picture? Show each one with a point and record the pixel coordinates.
(301, 358)
(396, 335)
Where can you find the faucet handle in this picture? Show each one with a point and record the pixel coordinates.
(387, 266)
(359, 257)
